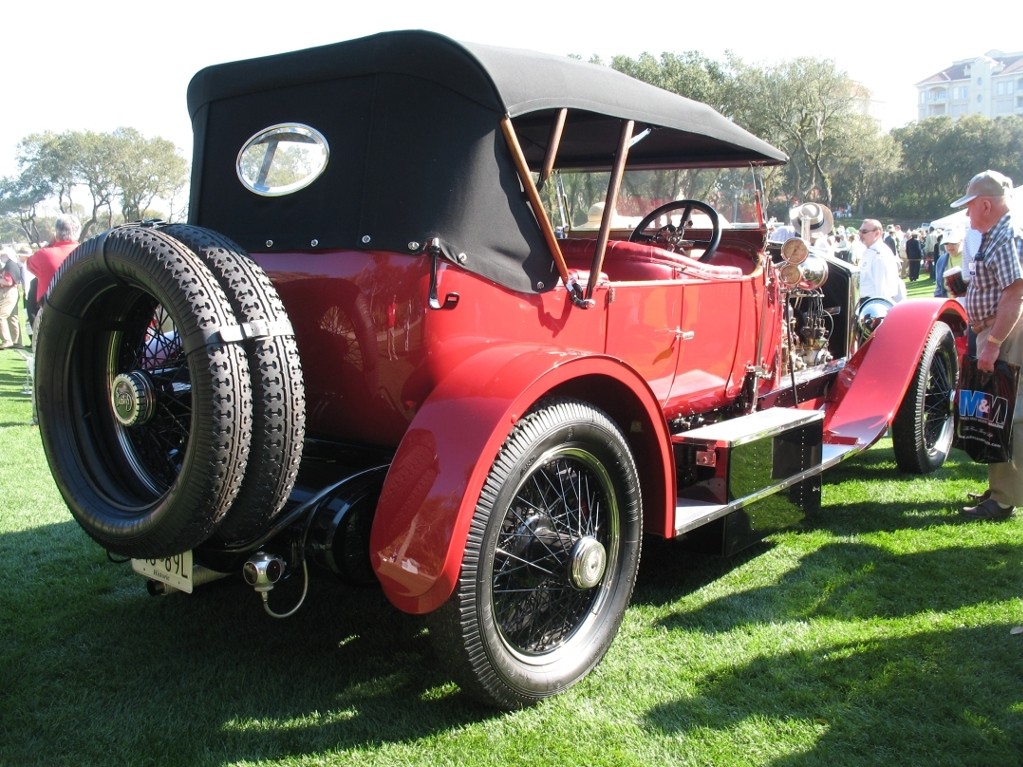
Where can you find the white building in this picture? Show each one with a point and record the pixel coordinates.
(989, 85)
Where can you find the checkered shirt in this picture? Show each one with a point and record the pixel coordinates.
(998, 263)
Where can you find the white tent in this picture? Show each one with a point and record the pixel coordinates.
(960, 219)
(957, 219)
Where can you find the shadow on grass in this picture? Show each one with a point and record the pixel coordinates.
(940, 506)
(859, 581)
(842, 691)
(12, 387)
(878, 464)
(669, 568)
(903, 691)
(94, 671)
(26, 422)
(99, 672)
(12, 383)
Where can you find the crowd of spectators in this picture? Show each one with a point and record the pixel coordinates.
(923, 253)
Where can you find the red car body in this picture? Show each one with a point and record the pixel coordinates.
(422, 367)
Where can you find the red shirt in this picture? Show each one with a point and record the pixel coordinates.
(45, 262)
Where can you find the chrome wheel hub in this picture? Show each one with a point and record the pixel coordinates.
(587, 562)
(132, 398)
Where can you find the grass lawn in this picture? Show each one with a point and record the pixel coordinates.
(877, 633)
(922, 288)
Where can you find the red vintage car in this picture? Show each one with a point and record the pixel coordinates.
(469, 323)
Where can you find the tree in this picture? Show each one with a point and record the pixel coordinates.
(147, 170)
(94, 166)
(838, 155)
(47, 164)
(19, 199)
(942, 155)
(863, 166)
(689, 74)
(122, 174)
(805, 107)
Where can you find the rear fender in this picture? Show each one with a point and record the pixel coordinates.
(430, 493)
(872, 384)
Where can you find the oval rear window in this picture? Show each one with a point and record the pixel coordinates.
(282, 159)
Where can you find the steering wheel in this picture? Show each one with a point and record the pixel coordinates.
(673, 238)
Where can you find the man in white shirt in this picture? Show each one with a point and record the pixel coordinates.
(879, 268)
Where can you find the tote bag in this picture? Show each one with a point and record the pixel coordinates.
(984, 407)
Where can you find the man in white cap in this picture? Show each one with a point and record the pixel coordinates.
(994, 299)
(952, 258)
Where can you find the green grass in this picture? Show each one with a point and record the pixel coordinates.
(923, 287)
(877, 633)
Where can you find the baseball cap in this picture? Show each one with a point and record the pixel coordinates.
(990, 183)
(955, 234)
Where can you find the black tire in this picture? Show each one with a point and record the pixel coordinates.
(145, 416)
(924, 424)
(547, 571)
(278, 390)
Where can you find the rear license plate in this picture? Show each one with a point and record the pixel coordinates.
(175, 571)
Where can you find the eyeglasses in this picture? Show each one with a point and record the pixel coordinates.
(868, 231)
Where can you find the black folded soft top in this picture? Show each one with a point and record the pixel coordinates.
(413, 120)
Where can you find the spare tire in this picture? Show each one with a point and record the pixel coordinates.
(145, 411)
(278, 390)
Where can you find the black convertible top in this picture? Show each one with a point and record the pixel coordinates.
(413, 122)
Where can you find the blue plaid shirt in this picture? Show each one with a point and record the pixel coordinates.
(998, 264)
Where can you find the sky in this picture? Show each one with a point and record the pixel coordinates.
(98, 67)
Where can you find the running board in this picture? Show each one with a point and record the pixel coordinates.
(728, 470)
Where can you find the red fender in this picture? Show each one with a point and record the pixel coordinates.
(873, 382)
(430, 493)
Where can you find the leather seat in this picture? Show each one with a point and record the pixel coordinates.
(636, 261)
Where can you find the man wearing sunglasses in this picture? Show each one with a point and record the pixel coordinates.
(879, 268)
(994, 298)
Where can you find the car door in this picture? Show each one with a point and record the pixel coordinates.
(643, 328)
(713, 343)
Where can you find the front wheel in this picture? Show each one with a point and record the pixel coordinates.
(550, 561)
(924, 425)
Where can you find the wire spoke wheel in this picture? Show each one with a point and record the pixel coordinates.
(556, 536)
(151, 397)
(939, 392)
(550, 561)
(924, 424)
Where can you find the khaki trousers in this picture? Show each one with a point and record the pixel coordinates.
(10, 323)
(1006, 479)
